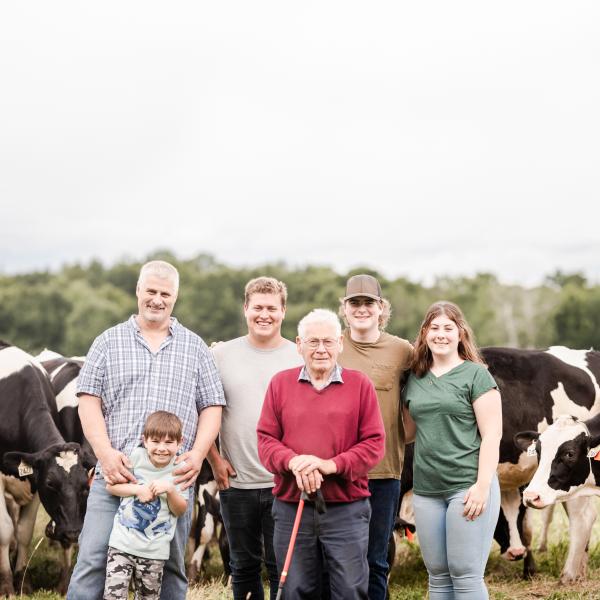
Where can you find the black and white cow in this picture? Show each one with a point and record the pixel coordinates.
(63, 373)
(568, 461)
(536, 387)
(207, 524)
(202, 530)
(33, 449)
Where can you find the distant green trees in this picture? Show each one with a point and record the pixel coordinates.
(65, 310)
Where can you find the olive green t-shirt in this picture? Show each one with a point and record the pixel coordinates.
(447, 441)
(384, 362)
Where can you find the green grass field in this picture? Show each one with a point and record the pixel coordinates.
(408, 579)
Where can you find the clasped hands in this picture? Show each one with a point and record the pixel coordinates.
(147, 493)
(310, 470)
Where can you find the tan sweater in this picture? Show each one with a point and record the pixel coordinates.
(383, 362)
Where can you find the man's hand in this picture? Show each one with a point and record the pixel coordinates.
(144, 493)
(222, 471)
(115, 467)
(310, 470)
(190, 464)
(161, 486)
(305, 463)
(309, 482)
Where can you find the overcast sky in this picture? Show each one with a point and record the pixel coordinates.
(419, 138)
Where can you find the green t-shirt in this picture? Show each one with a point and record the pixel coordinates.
(447, 441)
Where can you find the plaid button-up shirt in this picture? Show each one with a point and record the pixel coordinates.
(133, 382)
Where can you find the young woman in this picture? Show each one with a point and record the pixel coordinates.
(453, 405)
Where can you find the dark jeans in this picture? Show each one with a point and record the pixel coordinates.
(385, 494)
(340, 536)
(249, 526)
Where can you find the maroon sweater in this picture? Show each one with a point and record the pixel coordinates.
(341, 422)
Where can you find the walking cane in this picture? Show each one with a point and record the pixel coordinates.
(290, 550)
(321, 508)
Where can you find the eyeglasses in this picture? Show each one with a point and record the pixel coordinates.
(314, 343)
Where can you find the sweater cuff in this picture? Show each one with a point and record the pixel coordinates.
(340, 464)
(288, 455)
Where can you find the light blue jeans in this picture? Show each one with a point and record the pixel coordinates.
(87, 581)
(455, 550)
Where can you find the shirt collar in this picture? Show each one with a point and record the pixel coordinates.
(174, 324)
(334, 377)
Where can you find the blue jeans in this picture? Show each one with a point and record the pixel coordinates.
(455, 550)
(249, 526)
(385, 494)
(87, 581)
(340, 536)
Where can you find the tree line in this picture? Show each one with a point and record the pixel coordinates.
(65, 310)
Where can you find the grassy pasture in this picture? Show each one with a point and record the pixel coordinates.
(408, 579)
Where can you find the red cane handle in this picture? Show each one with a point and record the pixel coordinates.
(288, 556)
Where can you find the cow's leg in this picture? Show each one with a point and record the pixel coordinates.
(206, 535)
(529, 567)
(66, 556)
(582, 514)
(547, 514)
(24, 533)
(511, 501)
(6, 534)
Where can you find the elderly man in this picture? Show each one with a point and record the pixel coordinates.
(148, 363)
(384, 358)
(321, 428)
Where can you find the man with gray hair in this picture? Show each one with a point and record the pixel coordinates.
(148, 363)
(321, 429)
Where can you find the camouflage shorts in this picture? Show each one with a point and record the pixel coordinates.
(147, 576)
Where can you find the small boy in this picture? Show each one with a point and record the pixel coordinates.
(145, 522)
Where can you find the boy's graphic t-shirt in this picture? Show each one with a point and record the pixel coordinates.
(145, 528)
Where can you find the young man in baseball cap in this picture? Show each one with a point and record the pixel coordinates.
(383, 358)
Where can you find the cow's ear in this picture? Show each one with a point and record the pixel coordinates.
(524, 439)
(88, 458)
(19, 464)
(593, 441)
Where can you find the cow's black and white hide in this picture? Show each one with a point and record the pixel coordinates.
(32, 449)
(536, 387)
(202, 530)
(568, 461)
(63, 373)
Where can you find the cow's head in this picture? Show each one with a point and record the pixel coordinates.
(60, 477)
(563, 465)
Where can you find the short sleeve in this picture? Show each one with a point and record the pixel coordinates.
(404, 384)
(91, 376)
(482, 382)
(209, 391)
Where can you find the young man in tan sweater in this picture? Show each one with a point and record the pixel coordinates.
(383, 358)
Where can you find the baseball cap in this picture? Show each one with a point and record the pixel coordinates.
(363, 285)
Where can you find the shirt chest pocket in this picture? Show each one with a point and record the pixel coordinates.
(382, 376)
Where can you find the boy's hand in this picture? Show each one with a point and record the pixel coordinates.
(144, 493)
(161, 486)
